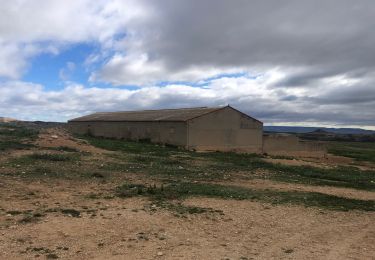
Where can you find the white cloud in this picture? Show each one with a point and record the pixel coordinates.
(48, 25)
(253, 96)
(12, 63)
(138, 69)
(66, 21)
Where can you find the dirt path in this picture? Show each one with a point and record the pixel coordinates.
(268, 184)
(330, 161)
(297, 162)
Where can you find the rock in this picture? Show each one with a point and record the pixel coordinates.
(54, 136)
(160, 253)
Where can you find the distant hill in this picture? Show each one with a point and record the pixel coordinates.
(302, 130)
(7, 119)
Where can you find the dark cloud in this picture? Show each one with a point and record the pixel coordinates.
(333, 33)
(350, 96)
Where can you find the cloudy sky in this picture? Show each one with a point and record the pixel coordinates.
(291, 62)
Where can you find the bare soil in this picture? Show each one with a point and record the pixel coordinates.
(57, 137)
(108, 227)
(268, 184)
(124, 229)
(329, 161)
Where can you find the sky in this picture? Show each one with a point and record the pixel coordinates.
(292, 62)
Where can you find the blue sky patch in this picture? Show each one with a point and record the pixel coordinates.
(45, 69)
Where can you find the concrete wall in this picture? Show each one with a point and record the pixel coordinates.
(174, 133)
(225, 130)
(290, 145)
(273, 143)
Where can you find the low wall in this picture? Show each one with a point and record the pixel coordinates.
(290, 145)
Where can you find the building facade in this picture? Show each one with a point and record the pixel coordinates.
(200, 129)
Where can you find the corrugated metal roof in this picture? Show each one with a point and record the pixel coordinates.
(183, 114)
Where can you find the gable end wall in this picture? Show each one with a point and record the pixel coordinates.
(225, 130)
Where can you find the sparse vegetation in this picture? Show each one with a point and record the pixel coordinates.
(186, 189)
(53, 185)
(64, 149)
(181, 165)
(16, 137)
(71, 212)
(30, 218)
(54, 157)
(349, 177)
(360, 151)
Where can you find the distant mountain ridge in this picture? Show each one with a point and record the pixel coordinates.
(302, 130)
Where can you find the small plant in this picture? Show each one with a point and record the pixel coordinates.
(64, 149)
(30, 218)
(97, 175)
(71, 212)
(54, 157)
(52, 256)
(93, 196)
(14, 212)
(131, 190)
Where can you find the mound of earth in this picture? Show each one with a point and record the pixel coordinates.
(7, 119)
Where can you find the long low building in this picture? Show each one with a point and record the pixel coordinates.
(201, 129)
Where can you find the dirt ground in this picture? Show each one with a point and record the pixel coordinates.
(56, 137)
(329, 161)
(116, 228)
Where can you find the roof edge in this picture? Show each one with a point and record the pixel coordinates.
(245, 114)
(209, 112)
(228, 106)
(77, 119)
(213, 109)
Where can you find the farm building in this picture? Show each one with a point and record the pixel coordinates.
(201, 129)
